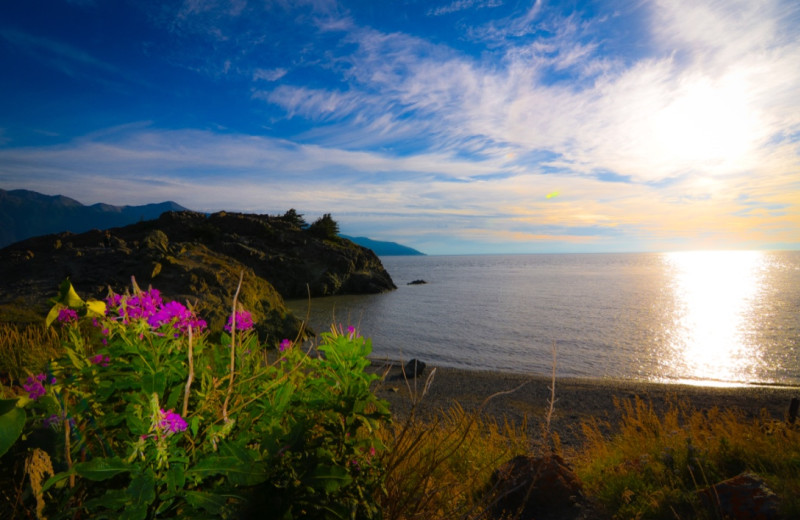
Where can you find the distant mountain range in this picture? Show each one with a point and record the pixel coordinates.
(384, 248)
(25, 214)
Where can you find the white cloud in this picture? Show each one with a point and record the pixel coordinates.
(269, 74)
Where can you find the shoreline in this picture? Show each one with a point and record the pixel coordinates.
(521, 398)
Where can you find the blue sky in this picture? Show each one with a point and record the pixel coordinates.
(453, 126)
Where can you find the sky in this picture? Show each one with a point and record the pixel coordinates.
(450, 126)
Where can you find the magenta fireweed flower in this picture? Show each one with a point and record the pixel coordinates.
(179, 316)
(244, 321)
(285, 345)
(35, 385)
(138, 306)
(171, 422)
(150, 306)
(67, 316)
(100, 359)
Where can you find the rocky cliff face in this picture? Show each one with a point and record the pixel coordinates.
(191, 256)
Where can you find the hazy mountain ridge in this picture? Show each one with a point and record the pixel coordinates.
(382, 248)
(25, 214)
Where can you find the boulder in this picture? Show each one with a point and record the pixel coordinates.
(417, 282)
(536, 488)
(743, 497)
(414, 368)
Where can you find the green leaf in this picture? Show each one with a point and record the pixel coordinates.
(212, 465)
(136, 512)
(210, 502)
(101, 468)
(329, 478)
(247, 473)
(11, 424)
(7, 405)
(77, 362)
(176, 478)
(142, 488)
(154, 383)
(55, 479)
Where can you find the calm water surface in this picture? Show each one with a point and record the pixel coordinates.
(723, 317)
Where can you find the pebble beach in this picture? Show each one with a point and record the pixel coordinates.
(519, 398)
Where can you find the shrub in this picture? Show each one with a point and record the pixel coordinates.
(171, 425)
(325, 227)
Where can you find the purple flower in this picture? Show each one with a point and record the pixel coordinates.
(171, 422)
(67, 316)
(138, 306)
(34, 385)
(244, 321)
(180, 317)
(52, 421)
(100, 359)
(285, 345)
(351, 332)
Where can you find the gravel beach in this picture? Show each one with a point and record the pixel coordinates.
(523, 397)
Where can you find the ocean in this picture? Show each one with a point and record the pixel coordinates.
(706, 318)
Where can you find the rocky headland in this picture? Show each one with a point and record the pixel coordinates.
(192, 257)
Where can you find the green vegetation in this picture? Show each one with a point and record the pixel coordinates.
(325, 227)
(125, 408)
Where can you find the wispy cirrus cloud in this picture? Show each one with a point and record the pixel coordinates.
(462, 5)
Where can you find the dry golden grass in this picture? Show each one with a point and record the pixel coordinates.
(652, 466)
(440, 468)
(25, 348)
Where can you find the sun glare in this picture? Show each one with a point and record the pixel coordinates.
(707, 124)
(713, 294)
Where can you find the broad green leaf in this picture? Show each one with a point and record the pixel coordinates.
(11, 424)
(55, 479)
(329, 478)
(154, 383)
(176, 478)
(209, 502)
(101, 468)
(142, 488)
(135, 512)
(212, 465)
(7, 405)
(236, 471)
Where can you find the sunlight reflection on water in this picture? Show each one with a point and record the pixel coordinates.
(714, 294)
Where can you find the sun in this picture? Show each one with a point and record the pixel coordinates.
(708, 124)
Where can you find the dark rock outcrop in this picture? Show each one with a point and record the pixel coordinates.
(537, 487)
(744, 497)
(192, 256)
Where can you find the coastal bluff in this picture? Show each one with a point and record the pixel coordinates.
(192, 257)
